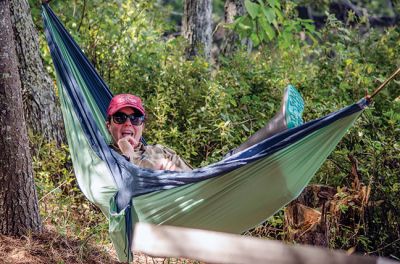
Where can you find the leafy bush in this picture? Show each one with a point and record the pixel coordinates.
(265, 21)
(62, 204)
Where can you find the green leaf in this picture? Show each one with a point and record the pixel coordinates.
(262, 36)
(246, 24)
(235, 23)
(255, 39)
(278, 13)
(267, 28)
(269, 14)
(314, 40)
(274, 3)
(252, 8)
(309, 27)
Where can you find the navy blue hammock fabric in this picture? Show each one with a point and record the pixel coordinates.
(232, 195)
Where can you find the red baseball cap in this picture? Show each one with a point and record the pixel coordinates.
(125, 100)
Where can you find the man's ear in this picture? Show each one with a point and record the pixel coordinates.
(108, 125)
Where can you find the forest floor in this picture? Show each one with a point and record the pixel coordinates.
(52, 247)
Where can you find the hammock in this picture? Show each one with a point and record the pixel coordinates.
(232, 195)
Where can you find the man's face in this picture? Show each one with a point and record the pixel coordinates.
(119, 131)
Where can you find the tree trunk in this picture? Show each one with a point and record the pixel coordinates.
(233, 8)
(306, 217)
(19, 211)
(196, 27)
(41, 108)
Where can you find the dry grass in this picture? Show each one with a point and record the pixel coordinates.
(51, 247)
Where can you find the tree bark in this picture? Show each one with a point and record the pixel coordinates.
(233, 8)
(41, 108)
(196, 27)
(19, 211)
(306, 217)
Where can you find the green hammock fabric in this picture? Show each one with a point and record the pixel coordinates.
(246, 197)
(230, 196)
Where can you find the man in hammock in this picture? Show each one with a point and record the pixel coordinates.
(125, 122)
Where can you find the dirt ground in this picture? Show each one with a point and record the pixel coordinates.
(52, 247)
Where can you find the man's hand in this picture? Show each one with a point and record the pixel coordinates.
(166, 164)
(127, 145)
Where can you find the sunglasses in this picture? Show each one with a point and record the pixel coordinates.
(120, 118)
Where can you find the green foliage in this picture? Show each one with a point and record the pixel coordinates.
(349, 65)
(62, 205)
(366, 7)
(116, 36)
(265, 21)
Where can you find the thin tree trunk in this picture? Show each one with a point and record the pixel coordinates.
(233, 8)
(41, 108)
(196, 27)
(19, 211)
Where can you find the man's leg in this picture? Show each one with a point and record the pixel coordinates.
(289, 116)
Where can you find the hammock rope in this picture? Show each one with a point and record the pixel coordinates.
(383, 85)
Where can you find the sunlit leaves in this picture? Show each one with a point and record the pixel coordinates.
(252, 8)
(265, 21)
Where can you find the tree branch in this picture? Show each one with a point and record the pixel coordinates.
(83, 15)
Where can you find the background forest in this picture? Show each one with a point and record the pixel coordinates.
(333, 52)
